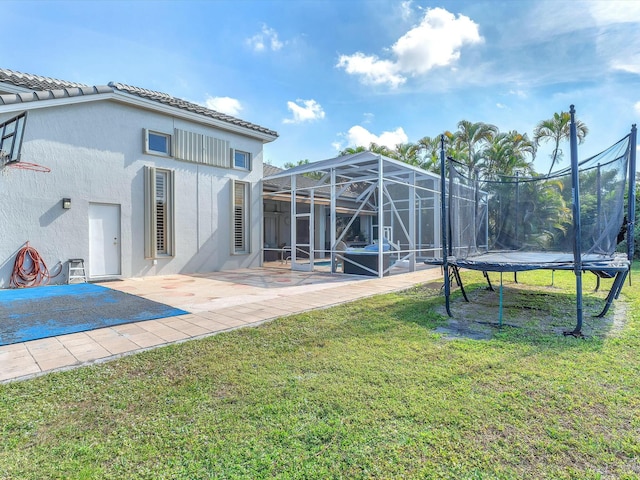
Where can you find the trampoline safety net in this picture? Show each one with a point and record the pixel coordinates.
(508, 220)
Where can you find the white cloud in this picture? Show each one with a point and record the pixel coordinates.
(267, 39)
(636, 107)
(372, 70)
(501, 105)
(304, 111)
(632, 67)
(518, 93)
(337, 145)
(612, 12)
(406, 10)
(436, 42)
(227, 105)
(360, 136)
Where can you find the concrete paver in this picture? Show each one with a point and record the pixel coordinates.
(217, 302)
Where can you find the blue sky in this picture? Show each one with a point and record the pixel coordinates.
(337, 73)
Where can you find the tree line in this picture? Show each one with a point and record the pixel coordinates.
(484, 149)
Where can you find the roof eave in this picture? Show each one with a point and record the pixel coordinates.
(20, 106)
(139, 102)
(195, 117)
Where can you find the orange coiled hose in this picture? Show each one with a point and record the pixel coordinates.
(29, 269)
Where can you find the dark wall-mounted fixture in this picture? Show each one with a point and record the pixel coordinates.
(66, 203)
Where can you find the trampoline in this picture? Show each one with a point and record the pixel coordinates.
(573, 219)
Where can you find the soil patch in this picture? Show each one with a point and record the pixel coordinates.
(542, 309)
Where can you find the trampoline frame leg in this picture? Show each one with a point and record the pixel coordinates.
(616, 288)
(500, 304)
(447, 290)
(577, 332)
(456, 274)
(486, 276)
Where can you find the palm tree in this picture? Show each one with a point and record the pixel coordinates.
(469, 139)
(506, 154)
(373, 147)
(557, 129)
(408, 153)
(429, 150)
(381, 150)
(352, 150)
(450, 149)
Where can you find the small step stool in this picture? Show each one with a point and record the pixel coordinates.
(76, 272)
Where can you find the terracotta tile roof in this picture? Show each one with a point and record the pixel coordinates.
(45, 88)
(35, 82)
(185, 105)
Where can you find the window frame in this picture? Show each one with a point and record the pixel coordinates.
(247, 156)
(245, 248)
(147, 143)
(151, 213)
(11, 135)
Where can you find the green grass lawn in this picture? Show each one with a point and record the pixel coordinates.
(364, 390)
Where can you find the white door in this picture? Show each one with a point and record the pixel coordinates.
(104, 240)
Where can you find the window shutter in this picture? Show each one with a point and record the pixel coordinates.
(171, 205)
(161, 211)
(149, 212)
(145, 139)
(239, 217)
(198, 148)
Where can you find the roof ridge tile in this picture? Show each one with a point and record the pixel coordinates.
(190, 106)
(60, 88)
(29, 80)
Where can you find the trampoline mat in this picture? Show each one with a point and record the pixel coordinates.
(511, 261)
(42, 312)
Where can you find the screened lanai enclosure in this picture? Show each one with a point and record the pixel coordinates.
(573, 219)
(362, 214)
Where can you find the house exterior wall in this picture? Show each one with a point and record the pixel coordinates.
(95, 151)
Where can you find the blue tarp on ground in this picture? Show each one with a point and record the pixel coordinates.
(41, 312)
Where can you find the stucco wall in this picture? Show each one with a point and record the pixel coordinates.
(95, 153)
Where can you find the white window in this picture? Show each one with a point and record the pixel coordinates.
(159, 213)
(240, 217)
(157, 143)
(241, 160)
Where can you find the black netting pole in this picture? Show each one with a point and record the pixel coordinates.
(443, 227)
(577, 240)
(476, 202)
(598, 203)
(517, 208)
(632, 194)
(452, 196)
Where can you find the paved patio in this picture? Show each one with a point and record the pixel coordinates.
(217, 302)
